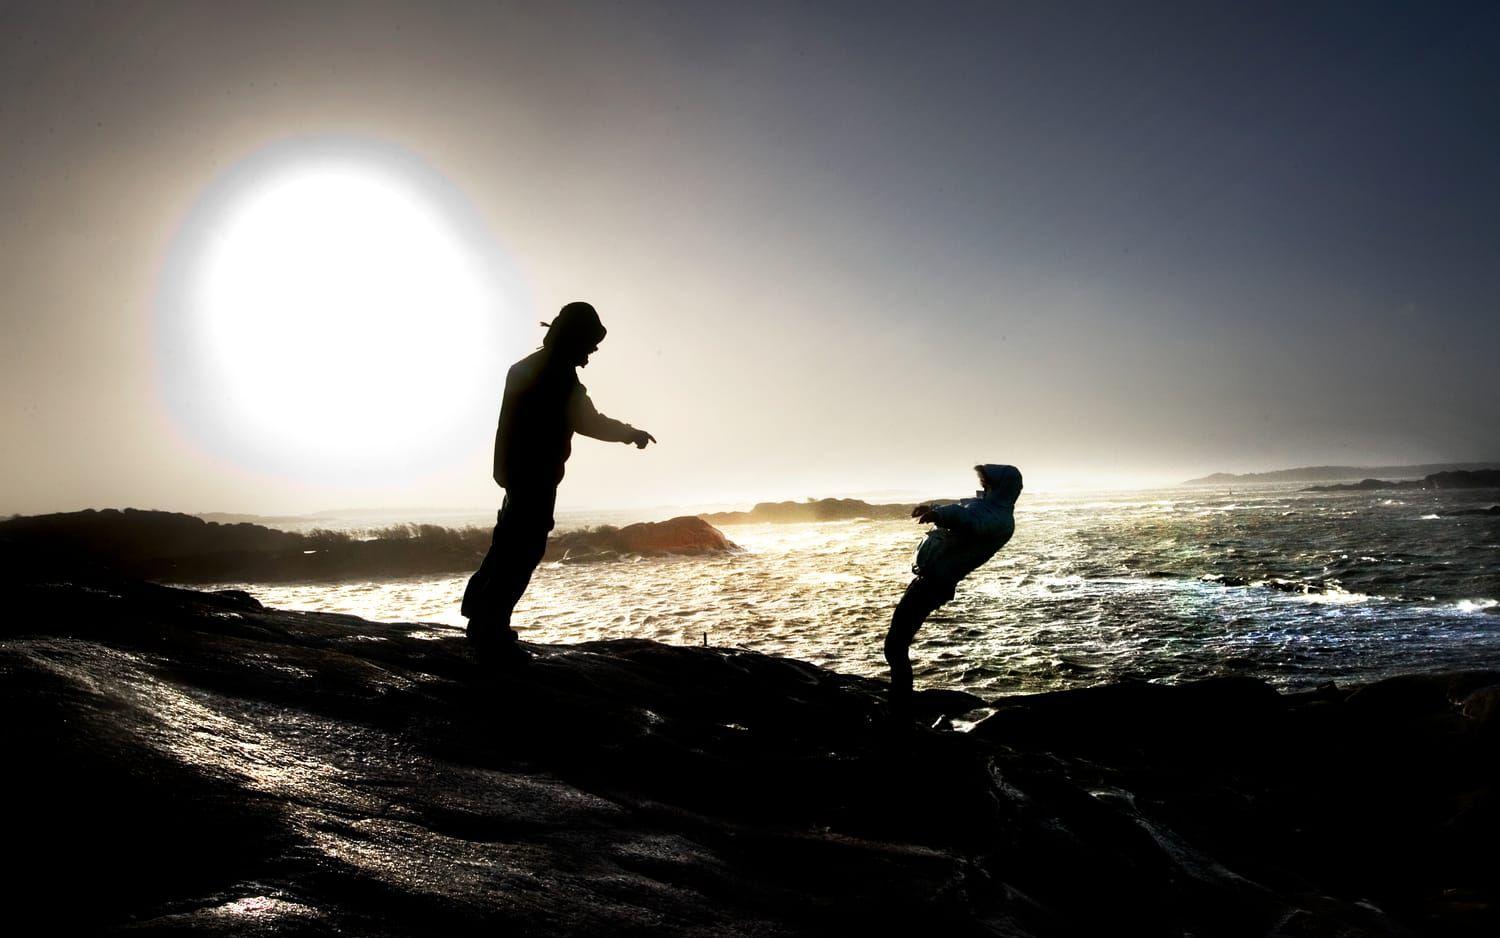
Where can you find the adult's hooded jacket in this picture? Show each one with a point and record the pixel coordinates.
(544, 405)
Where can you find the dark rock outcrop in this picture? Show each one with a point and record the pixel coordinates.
(131, 536)
(1367, 485)
(1483, 479)
(682, 535)
(185, 762)
(1492, 510)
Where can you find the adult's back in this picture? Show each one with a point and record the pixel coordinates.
(534, 437)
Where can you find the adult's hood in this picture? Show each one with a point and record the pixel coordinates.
(576, 326)
(1003, 482)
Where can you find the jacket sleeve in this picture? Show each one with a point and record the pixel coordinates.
(957, 517)
(586, 420)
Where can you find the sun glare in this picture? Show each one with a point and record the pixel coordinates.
(331, 320)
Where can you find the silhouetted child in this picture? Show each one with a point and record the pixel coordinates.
(966, 534)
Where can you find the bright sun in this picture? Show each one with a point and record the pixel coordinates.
(336, 319)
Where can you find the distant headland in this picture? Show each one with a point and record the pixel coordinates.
(1339, 473)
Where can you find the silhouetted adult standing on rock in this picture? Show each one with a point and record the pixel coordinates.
(965, 535)
(544, 405)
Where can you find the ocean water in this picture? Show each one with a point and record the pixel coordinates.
(1293, 587)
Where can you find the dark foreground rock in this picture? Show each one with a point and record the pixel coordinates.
(190, 762)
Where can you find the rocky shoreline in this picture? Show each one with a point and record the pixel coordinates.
(189, 762)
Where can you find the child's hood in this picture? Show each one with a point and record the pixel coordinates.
(1003, 482)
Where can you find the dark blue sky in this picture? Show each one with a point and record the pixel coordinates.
(867, 243)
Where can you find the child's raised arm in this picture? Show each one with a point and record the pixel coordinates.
(954, 517)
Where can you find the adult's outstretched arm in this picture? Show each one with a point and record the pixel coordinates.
(588, 421)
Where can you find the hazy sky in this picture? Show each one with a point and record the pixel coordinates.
(839, 247)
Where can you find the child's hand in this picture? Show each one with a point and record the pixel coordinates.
(923, 514)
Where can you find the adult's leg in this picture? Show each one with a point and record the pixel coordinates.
(477, 598)
(518, 544)
(922, 596)
(527, 526)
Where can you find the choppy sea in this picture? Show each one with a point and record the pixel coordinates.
(1294, 587)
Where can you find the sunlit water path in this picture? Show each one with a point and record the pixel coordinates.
(1297, 588)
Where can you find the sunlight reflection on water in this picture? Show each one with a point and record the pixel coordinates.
(1297, 588)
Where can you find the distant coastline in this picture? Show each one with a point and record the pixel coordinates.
(1339, 473)
(822, 509)
(171, 547)
(1481, 479)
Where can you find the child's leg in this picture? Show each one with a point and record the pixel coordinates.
(922, 596)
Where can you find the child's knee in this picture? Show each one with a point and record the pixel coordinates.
(898, 648)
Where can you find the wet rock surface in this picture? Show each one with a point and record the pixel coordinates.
(190, 762)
